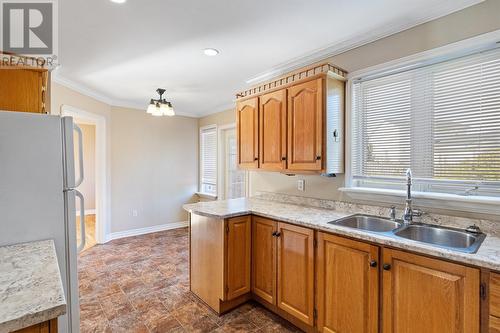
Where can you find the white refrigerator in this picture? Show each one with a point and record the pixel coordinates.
(38, 193)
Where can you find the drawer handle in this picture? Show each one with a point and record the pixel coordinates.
(373, 263)
(387, 267)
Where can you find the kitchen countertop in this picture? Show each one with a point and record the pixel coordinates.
(488, 255)
(31, 290)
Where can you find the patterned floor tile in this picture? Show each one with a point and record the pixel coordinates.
(141, 284)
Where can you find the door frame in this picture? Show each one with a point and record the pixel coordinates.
(102, 192)
(221, 160)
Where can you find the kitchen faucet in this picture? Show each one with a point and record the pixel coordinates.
(409, 213)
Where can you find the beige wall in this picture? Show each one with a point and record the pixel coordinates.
(88, 185)
(152, 163)
(154, 168)
(220, 118)
(472, 21)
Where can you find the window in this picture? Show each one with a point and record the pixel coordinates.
(233, 178)
(442, 121)
(208, 160)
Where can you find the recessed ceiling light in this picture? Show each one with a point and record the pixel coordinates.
(211, 52)
(119, 1)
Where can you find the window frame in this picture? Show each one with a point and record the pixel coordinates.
(220, 157)
(476, 204)
(200, 171)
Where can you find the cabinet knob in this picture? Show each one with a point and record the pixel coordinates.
(278, 234)
(283, 158)
(373, 263)
(274, 233)
(256, 159)
(387, 267)
(318, 158)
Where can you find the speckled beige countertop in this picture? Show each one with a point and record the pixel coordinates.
(31, 289)
(488, 255)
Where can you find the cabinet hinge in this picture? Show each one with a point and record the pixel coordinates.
(482, 291)
(226, 289)
(227, 229)
(315, 243)
(315, 313)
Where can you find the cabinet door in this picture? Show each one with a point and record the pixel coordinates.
(238, 237)
(347, 287)
(272, 131)
(428, 295)
(23, 90)
(247, 125)
(264, 258)
(296, 271)
(305, 126)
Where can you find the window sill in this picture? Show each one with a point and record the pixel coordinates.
(475, 204)
(206, 195)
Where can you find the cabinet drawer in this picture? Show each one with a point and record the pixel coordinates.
(495, 294)
(494, 324)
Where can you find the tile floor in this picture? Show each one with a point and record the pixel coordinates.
(140, 284)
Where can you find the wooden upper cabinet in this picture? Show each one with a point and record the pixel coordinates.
(428, 295)
(23, 90)
(264, 258)
(347, 285)
(296, 272)
(305, 126)
(238, 242)
(272, 131)
(247, 125)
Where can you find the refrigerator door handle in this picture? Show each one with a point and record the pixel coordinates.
(82, 220)
(80, 154)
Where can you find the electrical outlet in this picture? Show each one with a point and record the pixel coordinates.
(301, 184)
(134, 212)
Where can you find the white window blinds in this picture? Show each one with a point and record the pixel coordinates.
(208, 163)
(442, 121)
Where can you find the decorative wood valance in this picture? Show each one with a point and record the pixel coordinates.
(292, 77)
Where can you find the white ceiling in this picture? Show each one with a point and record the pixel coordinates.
(122, 53)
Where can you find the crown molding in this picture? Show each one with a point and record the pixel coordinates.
(84, 90)
(80, 88)
(349, 44)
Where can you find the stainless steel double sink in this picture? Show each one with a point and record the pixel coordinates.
(443, 237)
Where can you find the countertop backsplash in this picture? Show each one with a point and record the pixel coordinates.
(490, 227)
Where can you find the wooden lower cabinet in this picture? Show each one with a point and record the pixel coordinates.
(264, 258)
(45, 327)
(238, 242)
(428, 295)
(296, 272)
(354, 286)
(347, 285)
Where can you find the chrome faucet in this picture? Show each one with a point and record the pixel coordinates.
(409, 212)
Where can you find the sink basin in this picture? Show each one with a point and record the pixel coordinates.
(453, 239)
(367, 222)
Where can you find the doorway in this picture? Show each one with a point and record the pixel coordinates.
(233, 181)
(96, 208)
(87, 187)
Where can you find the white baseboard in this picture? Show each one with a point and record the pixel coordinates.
(87, 212)
(146, 230)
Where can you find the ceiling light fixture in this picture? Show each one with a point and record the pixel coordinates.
(160, 107)
(119, 1)
(211, 52)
